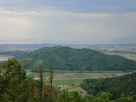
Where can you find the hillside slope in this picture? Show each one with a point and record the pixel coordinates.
(116, 85)
(66, 58)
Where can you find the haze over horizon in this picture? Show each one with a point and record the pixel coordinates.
(72, 21)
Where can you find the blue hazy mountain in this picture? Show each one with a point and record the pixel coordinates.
(128, 39)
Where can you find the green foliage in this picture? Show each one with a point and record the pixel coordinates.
(116, 85)
(77, 76)
(11, 79)
(66, 58)
(16, 87)
(68, 81)
(106, 97)
(125, 99)
(72, 96)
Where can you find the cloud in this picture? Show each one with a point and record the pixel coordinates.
(77, 6)
(62, 25)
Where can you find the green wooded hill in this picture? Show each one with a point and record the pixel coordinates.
(116, 85)
(66, 58)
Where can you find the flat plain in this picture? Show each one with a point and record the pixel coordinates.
(68, 78)
(71, 81)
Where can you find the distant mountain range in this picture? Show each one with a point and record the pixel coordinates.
(125, 40)
(128, 39)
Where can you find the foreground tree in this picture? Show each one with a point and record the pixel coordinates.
(106, 97)
(72, 96)
(16, 87)
(12, 77)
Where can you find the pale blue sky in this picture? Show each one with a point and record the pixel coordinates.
(65, 21)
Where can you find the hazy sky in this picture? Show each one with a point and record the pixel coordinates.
(76, 21)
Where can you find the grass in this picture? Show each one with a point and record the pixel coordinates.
(69, 78)
(64, 83)
(37, 74)
(73, 88)
(67, 81)
(77, 88)
(77, 76)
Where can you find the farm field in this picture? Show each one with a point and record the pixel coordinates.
(71, 81)
(73, 88)
(67, 78)
(29, 74)
(77, 76)
(67, 81)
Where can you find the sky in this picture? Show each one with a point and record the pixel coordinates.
(67, 21)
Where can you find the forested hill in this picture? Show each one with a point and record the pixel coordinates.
(116, 85)
(66, 58)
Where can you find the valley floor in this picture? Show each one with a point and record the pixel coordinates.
(71, 81)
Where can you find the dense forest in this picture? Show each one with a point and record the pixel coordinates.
(66, 58)
(125, 85)
(16, 87)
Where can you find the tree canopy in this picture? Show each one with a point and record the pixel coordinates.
(66, 58)
(116, 85)
(16, 87)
